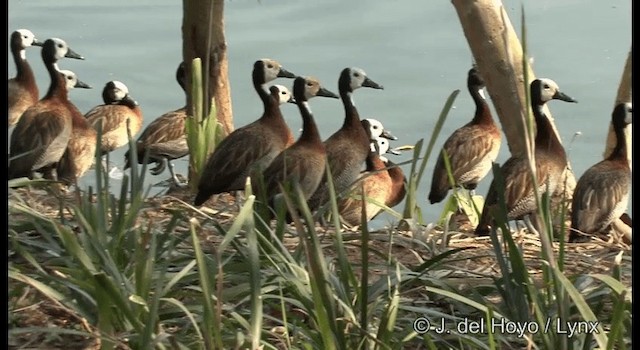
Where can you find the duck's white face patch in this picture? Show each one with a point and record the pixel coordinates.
(383, 145)
(548, 88)
(271, 69)
(357, 77)
(311, 87)
(375, 127)
(119, 90)
(284, 94)
(61, 48)
(26, 37)
(70, 78)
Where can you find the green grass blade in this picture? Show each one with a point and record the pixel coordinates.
(587, 314)
(211, 334)
(254, 275)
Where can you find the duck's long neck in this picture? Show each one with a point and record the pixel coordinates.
(272, 110)
(310, 131)
(351, 116)
(546, 139)
(58, 86)
(259, 85)
(373, 162)
(23, 69)
(620, 150)
(483, 114)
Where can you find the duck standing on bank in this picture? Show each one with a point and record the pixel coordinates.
(348, 148)
(78, 158)
(471, 149)
(165, 138)
(602, 192)
(252, 146)
(550, 162)
(304, 161)
(380, 182)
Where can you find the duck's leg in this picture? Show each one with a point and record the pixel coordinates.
(176, 181)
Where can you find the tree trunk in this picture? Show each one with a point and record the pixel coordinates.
(203, 37)
(498, 55)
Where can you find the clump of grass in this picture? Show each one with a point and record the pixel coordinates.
(204, 132)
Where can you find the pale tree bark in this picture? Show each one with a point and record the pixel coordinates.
(203, 37)
(498, 55)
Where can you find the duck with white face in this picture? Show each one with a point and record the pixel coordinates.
(550, 164)
(252, 146)
(81, 149)
(380, 185)
(304, 161)
(118, 117)
(348, 147)
(22, 89)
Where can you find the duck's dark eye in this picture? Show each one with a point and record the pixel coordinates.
(375, 127)
(309, 84)
(546, 86)
(60, 46)
(283, 92)
(69, 78)
(356, 75)
(270, 66)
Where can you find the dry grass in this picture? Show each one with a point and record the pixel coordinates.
(469, 268)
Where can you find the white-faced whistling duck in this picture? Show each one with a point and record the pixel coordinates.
(41, 135)
(379, 184)
(118, 112)
(348, 148)
(22, 89)
(252, 146)
(471, 149)
(550, 162)
(602, 192)
(304, 161)
(165, 138)
(81, 149)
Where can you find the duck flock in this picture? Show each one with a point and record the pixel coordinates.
(51, 138)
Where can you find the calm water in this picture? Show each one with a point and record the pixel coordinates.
(415, 48)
